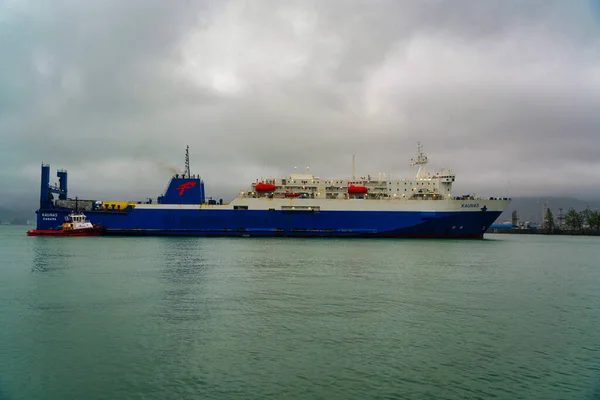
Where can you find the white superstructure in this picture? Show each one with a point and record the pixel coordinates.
(424, 186)
(426, 192)
(75, 221)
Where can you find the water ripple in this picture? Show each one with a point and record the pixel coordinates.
(156, 318)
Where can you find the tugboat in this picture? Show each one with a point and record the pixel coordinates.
(76, 224)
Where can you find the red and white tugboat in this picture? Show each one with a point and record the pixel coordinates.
(76, 224)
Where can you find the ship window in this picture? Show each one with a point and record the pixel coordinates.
(240, 207)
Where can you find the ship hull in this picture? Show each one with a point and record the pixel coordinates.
(278, 223)
(62, 233)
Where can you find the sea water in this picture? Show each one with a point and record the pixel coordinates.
(509, 317)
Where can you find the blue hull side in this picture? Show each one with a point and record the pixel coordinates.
(277, 223)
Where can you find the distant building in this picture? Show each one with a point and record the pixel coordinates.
(515, 218)
(501, 226)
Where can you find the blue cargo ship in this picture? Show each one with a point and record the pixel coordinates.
(297, 205)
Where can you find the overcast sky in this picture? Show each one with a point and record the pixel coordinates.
(506, 93)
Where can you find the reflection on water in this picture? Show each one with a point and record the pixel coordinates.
(183, 260)
(40, 261)
(53, 254)
(183, 269)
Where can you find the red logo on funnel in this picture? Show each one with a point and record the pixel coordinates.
(185, 186)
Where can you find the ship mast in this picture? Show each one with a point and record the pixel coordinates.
(421, 161)
(186, 173)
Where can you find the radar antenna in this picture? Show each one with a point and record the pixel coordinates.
(186, 173)
(421, 161)
(421, 157)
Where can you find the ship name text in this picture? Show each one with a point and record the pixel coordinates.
(49, 216)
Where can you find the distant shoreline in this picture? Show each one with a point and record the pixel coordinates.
(517, 231)
(17, 224)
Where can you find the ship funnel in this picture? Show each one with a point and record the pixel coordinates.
(184, 191)
(185, 188)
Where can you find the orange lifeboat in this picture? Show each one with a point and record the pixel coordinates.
(265, 187)
(293, 194)
(354, 189)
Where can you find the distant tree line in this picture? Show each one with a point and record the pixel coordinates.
(574, 220)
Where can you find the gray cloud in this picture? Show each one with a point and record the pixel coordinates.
(505, 93)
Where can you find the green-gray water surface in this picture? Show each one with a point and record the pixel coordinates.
(509, 317)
